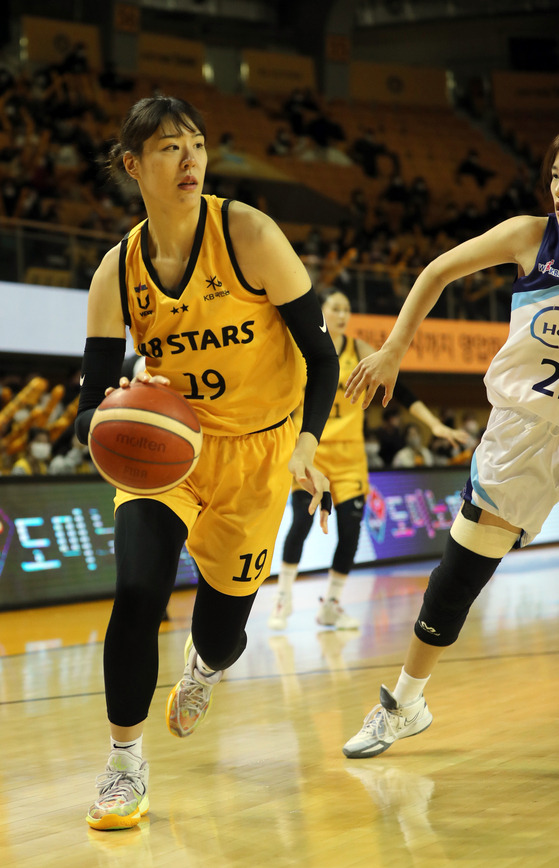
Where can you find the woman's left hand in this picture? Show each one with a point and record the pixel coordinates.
(312, 480)
(456, 436)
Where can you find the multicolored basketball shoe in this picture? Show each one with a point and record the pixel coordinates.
(189, 700)
(123, 794)
(386, 723)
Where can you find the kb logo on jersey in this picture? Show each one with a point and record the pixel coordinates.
(545, 327)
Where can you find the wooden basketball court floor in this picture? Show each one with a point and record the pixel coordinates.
(264, 782)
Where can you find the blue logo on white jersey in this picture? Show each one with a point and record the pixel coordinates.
(545, 327)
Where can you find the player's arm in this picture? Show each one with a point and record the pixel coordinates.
(269, 262)
(516, 240)
(105, 343)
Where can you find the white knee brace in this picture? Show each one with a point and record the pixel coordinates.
(483, 539)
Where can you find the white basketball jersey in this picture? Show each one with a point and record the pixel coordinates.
(525, 372)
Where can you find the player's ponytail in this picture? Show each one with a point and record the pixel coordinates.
(115, 166)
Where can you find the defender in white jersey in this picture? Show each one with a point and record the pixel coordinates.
(514, 479)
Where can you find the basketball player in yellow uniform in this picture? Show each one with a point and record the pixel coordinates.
(341, 454)
(222, 309)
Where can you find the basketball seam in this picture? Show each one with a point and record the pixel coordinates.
(132, 414)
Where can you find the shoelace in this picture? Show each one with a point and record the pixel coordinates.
(378, 715)
(119, 784)
(197, 698)
(331, 602)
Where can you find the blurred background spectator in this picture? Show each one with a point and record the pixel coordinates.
(413, 453)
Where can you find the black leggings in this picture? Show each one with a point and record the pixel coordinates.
(148, 541)
(348, 515)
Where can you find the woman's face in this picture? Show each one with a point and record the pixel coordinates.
(172, 166)
(336, 312)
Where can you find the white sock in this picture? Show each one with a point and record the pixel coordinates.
(208, 676)
(202, 667)
(408, 689)
(335, 588)
(128, 747)
(286, 577)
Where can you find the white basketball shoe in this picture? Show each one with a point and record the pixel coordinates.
(386, 723)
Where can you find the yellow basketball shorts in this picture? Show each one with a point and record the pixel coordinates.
(232, 505)
(344, 463)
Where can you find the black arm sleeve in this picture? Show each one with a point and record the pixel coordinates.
(304, 319)
(101, 368)
(404, 395)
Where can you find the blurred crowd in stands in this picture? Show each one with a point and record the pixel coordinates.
(54, 135)
(36, 427)
(56, 126)
(390, 238)
(396, 443)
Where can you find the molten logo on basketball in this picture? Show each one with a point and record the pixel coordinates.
(140, 442)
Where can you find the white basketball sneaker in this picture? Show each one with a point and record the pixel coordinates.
(281, 611)
(331, 614)
(386, 723)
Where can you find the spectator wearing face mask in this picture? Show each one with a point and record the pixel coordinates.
(75, 460)
(372, 448)
(471, 425)
(35, 460)
(414, 453)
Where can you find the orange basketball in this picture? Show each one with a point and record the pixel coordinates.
(145, 439)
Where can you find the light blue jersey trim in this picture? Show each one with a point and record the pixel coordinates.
(474, 476)
(521, 299)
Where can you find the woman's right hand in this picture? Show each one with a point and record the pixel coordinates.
(141, 377)
(378, 369)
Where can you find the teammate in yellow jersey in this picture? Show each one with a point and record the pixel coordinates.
(223, 311)
(341, 454)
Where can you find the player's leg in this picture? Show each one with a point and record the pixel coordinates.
(232, 542)
(216, 641)
(148, 541)
(349, 515)
(476, 544)
(292, 551)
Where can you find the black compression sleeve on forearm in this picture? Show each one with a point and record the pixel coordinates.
(304, 319)
(101, 367)
(404, 395)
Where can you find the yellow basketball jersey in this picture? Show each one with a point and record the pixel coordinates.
(219, 341)
(345, 421)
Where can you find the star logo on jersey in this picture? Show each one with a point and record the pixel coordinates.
(182, 309)
(213, 282)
